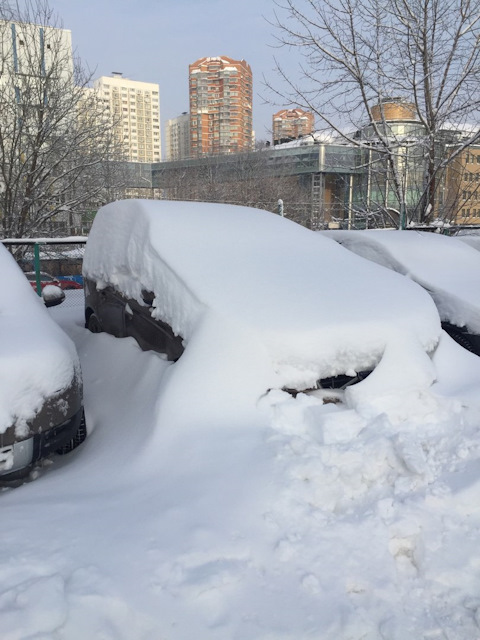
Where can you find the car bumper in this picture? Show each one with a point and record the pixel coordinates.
(16, 459)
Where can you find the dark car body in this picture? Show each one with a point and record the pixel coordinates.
(108, 310)
(51, 430)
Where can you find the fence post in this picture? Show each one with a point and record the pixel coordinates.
(36, 253)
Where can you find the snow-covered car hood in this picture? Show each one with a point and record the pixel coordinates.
(314, 308)
(37, 359)
(447, 267)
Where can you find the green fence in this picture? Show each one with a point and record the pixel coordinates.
(52, 261)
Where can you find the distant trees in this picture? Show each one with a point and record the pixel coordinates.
(241, 178)
(360, 55)
(54, 132)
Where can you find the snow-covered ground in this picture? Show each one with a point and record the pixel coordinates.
(188, 516)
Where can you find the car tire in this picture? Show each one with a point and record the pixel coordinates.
(94, 324)
(77, 439)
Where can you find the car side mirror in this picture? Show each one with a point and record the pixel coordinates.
(52, 295)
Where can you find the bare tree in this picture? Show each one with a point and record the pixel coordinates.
(54, 133)
(244, 179)
(359, 54)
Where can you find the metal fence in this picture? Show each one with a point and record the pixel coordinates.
(52, 261)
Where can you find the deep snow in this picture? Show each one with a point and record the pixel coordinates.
(188, 513)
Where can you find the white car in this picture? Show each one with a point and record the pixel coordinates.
(447, 267)
(41, 408)
(309, 312)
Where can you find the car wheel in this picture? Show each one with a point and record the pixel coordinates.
(77, 439)
(94, 324)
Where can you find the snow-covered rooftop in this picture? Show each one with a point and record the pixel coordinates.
(317, 137)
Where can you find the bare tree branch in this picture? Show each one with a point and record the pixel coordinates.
(360, 54)
(55, 134)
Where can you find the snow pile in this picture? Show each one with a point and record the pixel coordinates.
(188, 513)
(199, 507)
(37, 359)
(447, 267)
(307, 308)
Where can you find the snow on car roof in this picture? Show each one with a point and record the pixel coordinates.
(317, 309)
(37, 359)
(447, 267)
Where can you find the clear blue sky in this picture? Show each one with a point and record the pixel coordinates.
(156, 40)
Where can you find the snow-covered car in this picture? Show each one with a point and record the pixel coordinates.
(469, 238)
(447, 267)
(70, 282)
(41, 408)
(162, 271)
(46, 280)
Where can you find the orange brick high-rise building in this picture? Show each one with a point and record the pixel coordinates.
(220, 106)
(290, 124)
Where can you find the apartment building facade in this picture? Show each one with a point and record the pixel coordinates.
(462, 185)
(32, 50)
(177, 138)
(220, 91)
(135, 108)
(291, 124)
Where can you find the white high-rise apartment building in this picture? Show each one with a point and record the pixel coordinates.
(177, 138)
(135, 107)
(32, 50)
